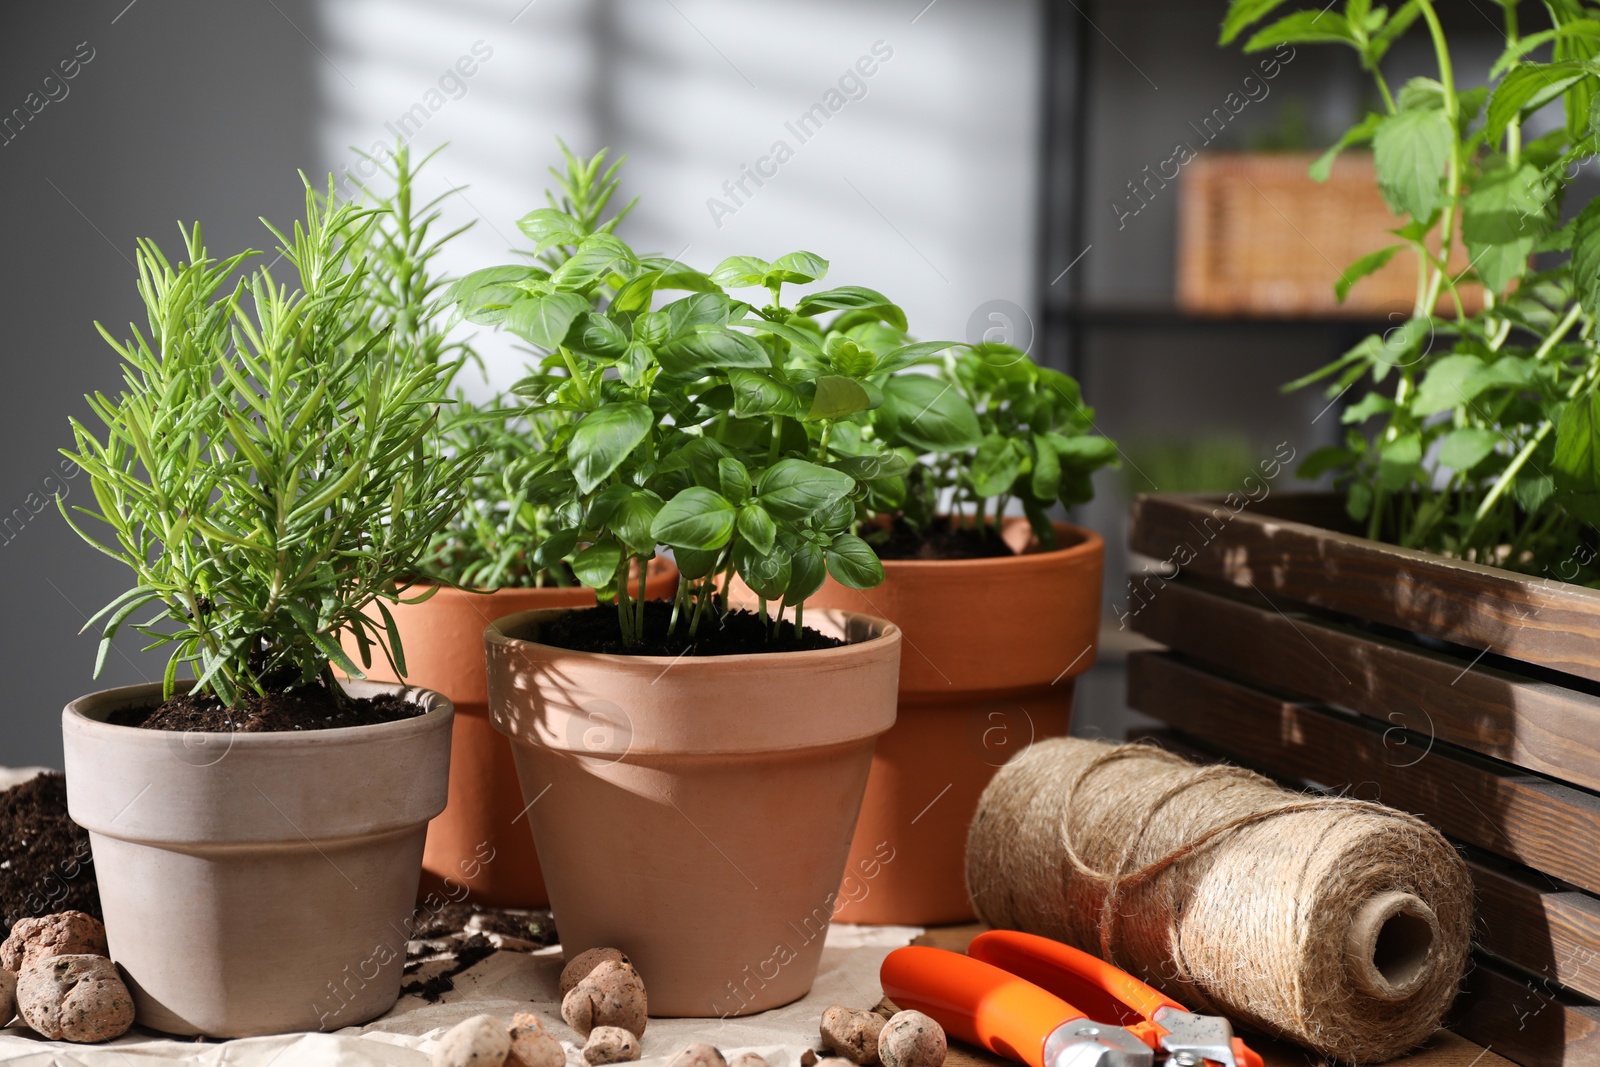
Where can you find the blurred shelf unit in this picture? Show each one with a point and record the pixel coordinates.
(1258, 236)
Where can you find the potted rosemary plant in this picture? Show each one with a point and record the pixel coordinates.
(693, 772)
(480, 565)
(269, 472)
(1446, 595)
(1000, 611)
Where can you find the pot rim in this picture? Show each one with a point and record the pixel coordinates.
(1090, 543)
(817, 657)
(74, 717)
(657, 566)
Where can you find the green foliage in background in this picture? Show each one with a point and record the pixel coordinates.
(1479, 434)
(270, 469)
(987, 428)
(1208, 464)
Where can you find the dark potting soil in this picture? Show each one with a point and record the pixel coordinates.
(308, 707)
(942, 541)
(470, 951)
(736, 633)
(45, 866)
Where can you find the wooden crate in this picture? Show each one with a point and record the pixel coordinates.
(1466, 694)
(1258, 236)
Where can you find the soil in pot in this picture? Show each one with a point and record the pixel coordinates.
(943, 540)
(308, 707)
(45, 866)
(732, 634)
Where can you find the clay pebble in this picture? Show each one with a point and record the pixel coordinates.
(532, 1045)
(851, 1033)
(66, 933)
(610, 995)
(78, 998)
(480, 1041)
(610, 1044)
(911, 1039)
(584, 963)
(8, 996)
(698, 1054)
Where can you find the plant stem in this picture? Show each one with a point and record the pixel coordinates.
(1526, 452)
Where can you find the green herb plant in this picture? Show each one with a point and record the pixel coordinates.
(987, 428)
(270, 469)
(1480, 435)
(731, 432)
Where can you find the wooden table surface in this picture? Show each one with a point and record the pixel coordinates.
(1444, 1049)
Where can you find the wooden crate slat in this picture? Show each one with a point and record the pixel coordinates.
(1534, 724)
(1525, 1019)
(1232, 540)
(1540, 824)
(1551, 932)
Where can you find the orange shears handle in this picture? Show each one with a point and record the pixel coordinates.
(1065, 970)
(1105, 988)
(979, 1003)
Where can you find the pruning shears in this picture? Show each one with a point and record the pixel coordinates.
(1049, 1005)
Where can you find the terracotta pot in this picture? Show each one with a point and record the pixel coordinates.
(256, 883)
(992, 647)
(477, 848)
(696, 812)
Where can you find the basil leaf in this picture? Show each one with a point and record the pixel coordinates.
(604, 438)
(697, 518)
(852, 562)
(928, 414)
(795, 488)
(756, 526)
(545, 320)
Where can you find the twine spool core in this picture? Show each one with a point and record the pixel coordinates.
(1391, 946)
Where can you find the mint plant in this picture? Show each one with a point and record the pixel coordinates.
(270, 470)
(1480, 434)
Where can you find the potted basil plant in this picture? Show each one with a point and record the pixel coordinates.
(693, 772)
(268, 472)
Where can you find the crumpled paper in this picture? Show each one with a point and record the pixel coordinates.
(504, 983)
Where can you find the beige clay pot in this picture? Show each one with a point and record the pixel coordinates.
(256, 883)
(696, 812)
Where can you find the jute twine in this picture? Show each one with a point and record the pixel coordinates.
(1229, 893)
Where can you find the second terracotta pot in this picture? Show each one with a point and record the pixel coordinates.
(695, 812)
(992, 648)
(477, 847)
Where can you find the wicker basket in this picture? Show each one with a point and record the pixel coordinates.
(1258, 236)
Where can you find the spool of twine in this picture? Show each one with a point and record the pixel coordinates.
(1335, 923)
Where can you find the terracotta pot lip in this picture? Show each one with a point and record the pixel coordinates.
(656, 568)
(74, 717)
(813, 657)
(1090, 543)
